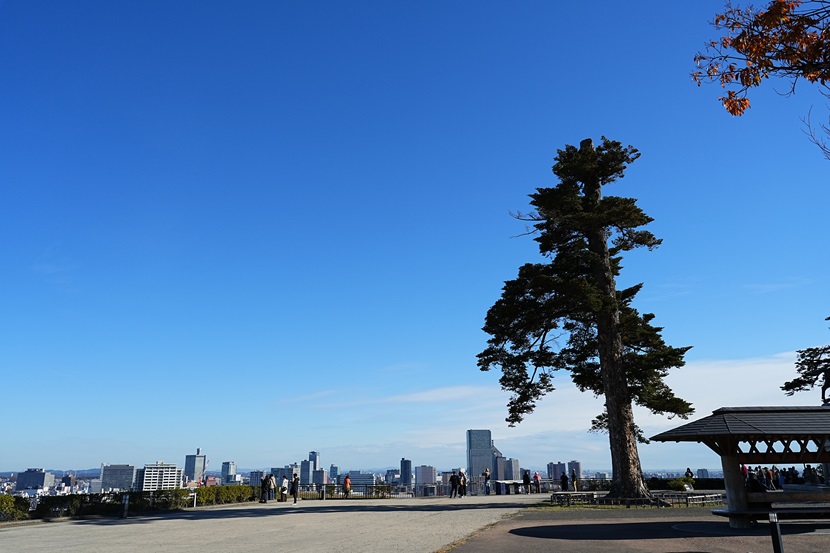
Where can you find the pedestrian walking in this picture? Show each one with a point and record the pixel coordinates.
(347, 486)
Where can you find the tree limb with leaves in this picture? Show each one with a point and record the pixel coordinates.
(567, 314)
(812, 364)
(786, 39)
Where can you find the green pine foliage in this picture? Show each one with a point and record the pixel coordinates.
(813, 365)
(565, 313)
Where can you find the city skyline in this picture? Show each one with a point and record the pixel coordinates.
(290, 219)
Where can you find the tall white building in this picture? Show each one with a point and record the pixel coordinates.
(159, 476)
(425, 474)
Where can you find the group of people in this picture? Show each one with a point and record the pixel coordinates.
(574, 481)
(537, 482)
(268, 488)
(458, 484)
(764, 479)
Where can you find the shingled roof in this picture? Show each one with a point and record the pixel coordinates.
(782, 434)
(788, 422)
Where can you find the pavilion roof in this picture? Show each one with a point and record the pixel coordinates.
(791, 422)
(761, 434)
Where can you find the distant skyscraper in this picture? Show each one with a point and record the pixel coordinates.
(305, 472)
(499, 471)
(319, 477)
(32, 479)
(481, 453)
(334, 472)
(575, 466)
(314, 459)
(512, 470)
(406, 472)
(256, 476)
(117, 477)
(425, 474)
(359, 478)
(159, 476)
(704, 473)
(555, 470)
(194, 466)
(229, 472)
(288, 471)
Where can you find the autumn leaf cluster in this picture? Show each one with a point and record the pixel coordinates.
(789, 39)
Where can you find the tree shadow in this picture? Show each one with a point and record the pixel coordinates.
(657, 530)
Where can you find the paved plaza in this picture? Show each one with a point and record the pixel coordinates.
(422, 525)
(470, 525)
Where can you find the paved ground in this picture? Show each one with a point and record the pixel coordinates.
(673, 530)
(342, 526)
(473, 525)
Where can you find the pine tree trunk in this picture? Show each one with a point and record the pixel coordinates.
(625, 458)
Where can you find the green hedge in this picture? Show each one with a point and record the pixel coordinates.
(13, 508)
(217, 495)
(76, 505)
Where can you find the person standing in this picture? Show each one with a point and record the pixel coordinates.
(454, 485)
(526, 481)
(347, 486)
(284, 489)
(486, 475)
(263, 490)
(574, 481)
(537, 482)
(295, 487)
(462, 484)
(563, 481)
(272, 486)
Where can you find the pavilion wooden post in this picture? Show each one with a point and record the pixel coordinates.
(735, 489)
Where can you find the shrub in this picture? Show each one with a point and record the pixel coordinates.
(681, 484)
(13, 508)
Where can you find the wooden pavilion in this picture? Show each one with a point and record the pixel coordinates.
(760, 436)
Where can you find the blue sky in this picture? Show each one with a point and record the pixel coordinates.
(264, 228)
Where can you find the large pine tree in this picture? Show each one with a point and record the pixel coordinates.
(567, 314)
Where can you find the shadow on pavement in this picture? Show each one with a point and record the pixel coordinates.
(655, 530)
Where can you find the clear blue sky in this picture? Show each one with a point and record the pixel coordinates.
(263, 228)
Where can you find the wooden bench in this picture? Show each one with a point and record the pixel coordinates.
(572, 498)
